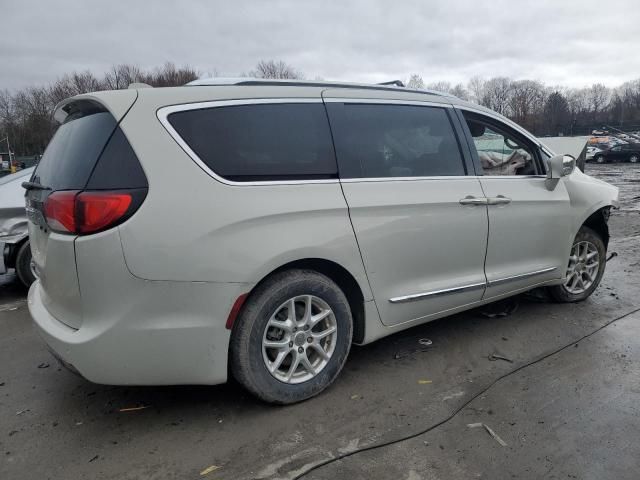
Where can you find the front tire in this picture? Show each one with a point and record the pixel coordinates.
(292, 337)
(585, 268)
(24, 265)
(634, 158)
(599, 159)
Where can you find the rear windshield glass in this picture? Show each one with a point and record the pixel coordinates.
(261, 142)
(72, 153)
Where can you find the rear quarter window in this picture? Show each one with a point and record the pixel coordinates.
(73, 151)
(260, 142)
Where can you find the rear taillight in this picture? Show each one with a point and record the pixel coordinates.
(59, 210)
(82, 213)
(99, 210)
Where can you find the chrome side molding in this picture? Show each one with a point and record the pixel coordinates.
(512, 278)
(435, 293)
(472, 286)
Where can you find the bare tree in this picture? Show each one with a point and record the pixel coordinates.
(460, 92)
(475, 86)
(169, 76)
(121, 76)
(415, 81)
(276, 69)
(526, 99)
(599, 96)
(440, 86)
(496, 95)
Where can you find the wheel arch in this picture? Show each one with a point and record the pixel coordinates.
(342, 277)
(12, 254)
(598, 221)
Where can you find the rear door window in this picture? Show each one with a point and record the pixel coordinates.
(260, 142)
(386, 141)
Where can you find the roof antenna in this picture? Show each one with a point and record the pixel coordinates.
(397, 83)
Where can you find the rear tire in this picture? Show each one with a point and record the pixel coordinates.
(24, 268)
(283, 358)
(585, 268)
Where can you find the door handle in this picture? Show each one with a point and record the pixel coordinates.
(471, 200)
(499, 200)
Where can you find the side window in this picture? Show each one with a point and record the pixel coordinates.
(260, 142)
(499, 152)
(381, 141)
(616, 149)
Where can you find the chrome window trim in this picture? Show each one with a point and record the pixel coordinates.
(510, 176)
(163, 113)
(404, 179)
(388, 101)
(506, 121)
(472, 286)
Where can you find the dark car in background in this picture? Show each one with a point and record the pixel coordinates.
(628, 152)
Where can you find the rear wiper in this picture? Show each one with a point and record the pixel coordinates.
(34, 186)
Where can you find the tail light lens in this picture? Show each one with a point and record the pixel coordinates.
(96, 211)
(59, 210)
(82, 213)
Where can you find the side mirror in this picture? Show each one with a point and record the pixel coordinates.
(558, 167)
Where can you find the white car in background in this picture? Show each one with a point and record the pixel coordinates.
(261, 227)
(591, 152)
(14, 234)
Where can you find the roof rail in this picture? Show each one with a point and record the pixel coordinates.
(393, 85)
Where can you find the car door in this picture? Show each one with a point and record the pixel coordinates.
(615, 154)
(529, 225)
(421, 229)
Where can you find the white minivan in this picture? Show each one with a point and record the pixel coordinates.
(259, 228)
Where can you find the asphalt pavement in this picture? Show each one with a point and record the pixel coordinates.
(550, 391)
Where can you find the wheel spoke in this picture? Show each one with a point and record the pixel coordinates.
(304, 361)
(279, 344)
(588, 275)
(574, 281)
(287, 325)
(591, 255)
(293, 367)
(323, 333)
(307, 310)
(318, 348)
(275, 365)
(319, 317)
(291, 306)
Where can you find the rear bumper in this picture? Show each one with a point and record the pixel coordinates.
(130, 331)
(164, 333)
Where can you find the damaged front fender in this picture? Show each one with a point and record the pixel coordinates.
(13, 225)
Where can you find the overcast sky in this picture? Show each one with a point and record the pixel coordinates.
(572, 43)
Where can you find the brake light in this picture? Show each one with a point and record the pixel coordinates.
(83, 213)
(99, 210)
(59, 210)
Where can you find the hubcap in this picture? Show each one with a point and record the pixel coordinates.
(583, 267)
(633, 159)
(299, 339)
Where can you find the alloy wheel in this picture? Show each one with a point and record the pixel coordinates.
(582, 271)
(299, 339)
